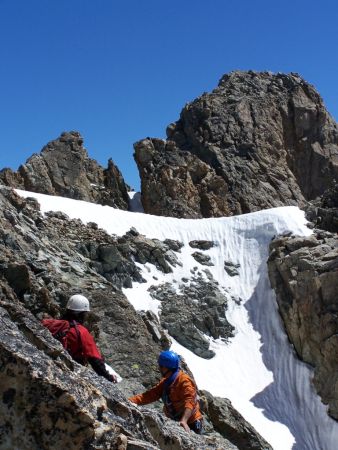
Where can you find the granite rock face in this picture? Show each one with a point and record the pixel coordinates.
(259, 140)
(304, 274)
(64, 168)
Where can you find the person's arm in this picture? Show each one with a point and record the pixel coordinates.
(93, 355)
(149, 396)
(100, 368)
(185, 417)
(188, 390)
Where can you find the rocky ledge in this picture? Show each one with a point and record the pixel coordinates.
(323, 212)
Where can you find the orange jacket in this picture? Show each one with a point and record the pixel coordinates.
(182, 393)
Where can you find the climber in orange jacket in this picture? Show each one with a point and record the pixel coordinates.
(178, 392)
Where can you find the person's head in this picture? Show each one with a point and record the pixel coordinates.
(77, 307)
(168, 361)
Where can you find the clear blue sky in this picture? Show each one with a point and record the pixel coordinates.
(118, 71)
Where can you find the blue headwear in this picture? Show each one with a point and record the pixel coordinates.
(169, 359)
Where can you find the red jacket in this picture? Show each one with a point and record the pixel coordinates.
(182, 394)
(80, 347)
(80, 344)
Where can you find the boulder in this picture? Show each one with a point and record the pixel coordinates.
(228, 422)
(231, 268)
(202, 244)
(205, 260)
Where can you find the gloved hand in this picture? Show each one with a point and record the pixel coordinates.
(113, 379)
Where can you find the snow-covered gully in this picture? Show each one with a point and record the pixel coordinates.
(257, 370)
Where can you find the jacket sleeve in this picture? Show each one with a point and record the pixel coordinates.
(89, 347)
(149, 396)
(188, 392)
(99, 366)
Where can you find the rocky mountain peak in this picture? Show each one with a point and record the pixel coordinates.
(72, 138)
(64, 168)
(259, 140)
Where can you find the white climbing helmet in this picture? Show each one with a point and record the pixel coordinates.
(78, 303)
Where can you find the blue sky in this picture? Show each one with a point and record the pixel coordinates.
(118, 71)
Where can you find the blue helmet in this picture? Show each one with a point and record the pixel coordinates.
(169, 359)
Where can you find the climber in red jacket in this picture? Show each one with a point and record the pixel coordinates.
(75, 338)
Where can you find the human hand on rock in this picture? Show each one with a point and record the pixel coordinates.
(184, 425)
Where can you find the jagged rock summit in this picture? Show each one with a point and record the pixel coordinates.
(64, 168)
(259, 140)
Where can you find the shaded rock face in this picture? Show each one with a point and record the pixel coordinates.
(259, 140)
(304, 274)
(196, 309)
(323, 212)
(64, 168)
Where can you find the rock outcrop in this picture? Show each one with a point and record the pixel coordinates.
(64, 168)
(304, 274)
(259, 140)
(196, 309)
(115, 257)
(229, 422)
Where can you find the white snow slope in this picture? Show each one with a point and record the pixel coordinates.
(257, 370)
